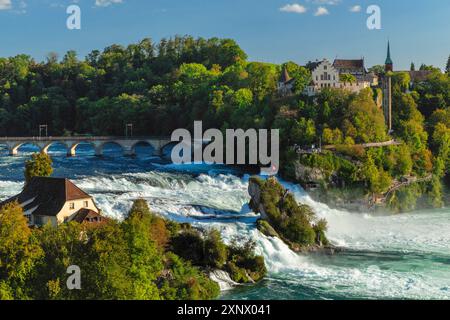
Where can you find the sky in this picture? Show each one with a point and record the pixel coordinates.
(267, 30)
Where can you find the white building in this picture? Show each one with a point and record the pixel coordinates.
(327, 75)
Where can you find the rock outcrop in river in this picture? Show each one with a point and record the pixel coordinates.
(281, 216)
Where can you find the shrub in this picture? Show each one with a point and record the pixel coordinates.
(215, 250)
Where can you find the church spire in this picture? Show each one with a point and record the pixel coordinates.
(389, 65)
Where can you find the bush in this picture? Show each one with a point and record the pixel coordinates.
(215, 251)
(244, 265)
(185, 282)
(189, 245)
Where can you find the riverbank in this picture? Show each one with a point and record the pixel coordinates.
(334, 183)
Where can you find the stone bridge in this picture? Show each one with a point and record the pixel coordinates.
(128, 144)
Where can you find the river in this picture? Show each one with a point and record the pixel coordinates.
(403, 256)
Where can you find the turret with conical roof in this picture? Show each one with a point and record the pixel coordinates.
(285, 75)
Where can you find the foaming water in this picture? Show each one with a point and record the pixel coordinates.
(386, 256)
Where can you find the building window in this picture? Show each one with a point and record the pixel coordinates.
(86, 204)
(72, 205)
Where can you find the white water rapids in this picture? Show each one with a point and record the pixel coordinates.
(389, 256)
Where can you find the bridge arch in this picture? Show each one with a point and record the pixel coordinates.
(143, 143)
(15, 146)
(47, 146)
(100, 147)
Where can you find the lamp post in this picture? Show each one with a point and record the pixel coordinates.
(43, 127)
(129, 130)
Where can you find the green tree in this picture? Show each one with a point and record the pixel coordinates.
(215, 250)
(301, 75)
(447, 68)
(404, 162)
(365, 119)
(377, 69)
(347, 78)
(18, 251)
(40, 165)
(146, 260)
(261, 79)
(242, 98)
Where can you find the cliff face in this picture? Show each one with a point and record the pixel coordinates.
(308, 174)
(405, 194)
(254, 190)
(327, 188)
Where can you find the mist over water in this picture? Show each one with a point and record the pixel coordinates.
(387, 256)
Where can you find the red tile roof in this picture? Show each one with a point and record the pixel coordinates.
(48, 195)
(349, 64)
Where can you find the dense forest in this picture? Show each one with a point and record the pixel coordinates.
(163, 86)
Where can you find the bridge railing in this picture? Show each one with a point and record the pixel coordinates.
(84, 138)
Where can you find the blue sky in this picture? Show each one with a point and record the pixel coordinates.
(268, 30)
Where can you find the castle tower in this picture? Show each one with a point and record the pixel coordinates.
(386, 84)
(285, 83)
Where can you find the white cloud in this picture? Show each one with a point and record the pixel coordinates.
(325, 2)
(105, 3)
(295, 8)
(321, 11)
(355, 9)
(5, 4)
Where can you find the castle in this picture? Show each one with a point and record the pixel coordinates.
(350, 75)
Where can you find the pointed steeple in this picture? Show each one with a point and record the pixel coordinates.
(389, 65)
(285, 75)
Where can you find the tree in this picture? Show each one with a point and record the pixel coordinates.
(413, 67)
(401, 81)
(378, 179)
(447, 68)
(301, 75)
(347, 78)
(364, 120)
(146, 261)
(40, 165)
(377, 69)
(261, 79)
(215, 250)
(242, 98)
(18, 251)
(404, 161)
